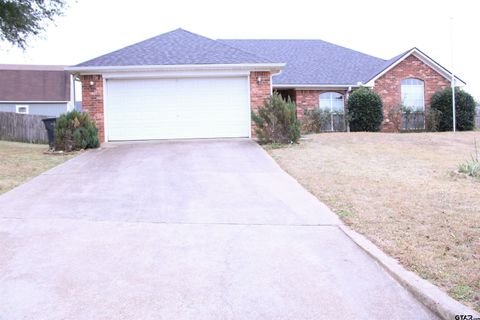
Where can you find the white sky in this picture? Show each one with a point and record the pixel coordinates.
(384, 29)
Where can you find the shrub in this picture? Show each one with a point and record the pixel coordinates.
(365, 110)
(74, 131)
(276, 121)
(315, 121)
(396, 117)
(472, 167)
(464, 109)
(319, 120)
(432, 120)
(412, 119)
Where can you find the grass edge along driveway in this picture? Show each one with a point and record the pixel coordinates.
(402, 192)
(20, 162)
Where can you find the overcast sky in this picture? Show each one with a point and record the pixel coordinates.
(384, 29)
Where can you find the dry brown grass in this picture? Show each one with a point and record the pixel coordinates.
(402, 192)
(20, 162)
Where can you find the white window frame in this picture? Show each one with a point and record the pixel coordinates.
(331, 100)
(404, 88)
(19, 106)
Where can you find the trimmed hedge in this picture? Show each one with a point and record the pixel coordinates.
(74, 131)
(365, 110)
(464, 109)
(276, 121)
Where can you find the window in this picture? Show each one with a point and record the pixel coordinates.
(21, 108)
(413, 94)
(332, 101)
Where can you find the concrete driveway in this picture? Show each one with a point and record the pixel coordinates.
(183, 230)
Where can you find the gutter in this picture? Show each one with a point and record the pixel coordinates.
(183, 67)
(318, 86)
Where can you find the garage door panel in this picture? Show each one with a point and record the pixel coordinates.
(177, 108)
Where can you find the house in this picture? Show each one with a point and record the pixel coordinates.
(182, 85)
(35, 89)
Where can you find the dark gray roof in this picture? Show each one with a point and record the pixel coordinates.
(314, 61)
(176, 48)
(387, 64)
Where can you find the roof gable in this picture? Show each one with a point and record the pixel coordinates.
(177, 47)
(390, 64)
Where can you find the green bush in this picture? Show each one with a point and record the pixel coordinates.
(470, 168)
(74, 131)
(276, 121)
(464, 109)
(365, 110)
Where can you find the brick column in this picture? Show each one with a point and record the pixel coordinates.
(92, 101)
(259, 91)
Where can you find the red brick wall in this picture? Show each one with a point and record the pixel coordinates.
(306, 100)
(388, 86)
(259, 92)
(92, 101)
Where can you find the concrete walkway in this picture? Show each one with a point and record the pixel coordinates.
(183, 230)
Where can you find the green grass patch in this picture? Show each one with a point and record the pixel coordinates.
(461, 292)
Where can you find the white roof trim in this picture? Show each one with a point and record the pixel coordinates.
(175, 74)
(425, 59)
(183, 67)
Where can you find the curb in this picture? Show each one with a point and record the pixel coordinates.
(427, 293)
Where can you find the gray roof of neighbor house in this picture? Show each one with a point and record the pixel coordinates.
(41, 83)
(312, 62)
(177, 47)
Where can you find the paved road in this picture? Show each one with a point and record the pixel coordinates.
(183, 230)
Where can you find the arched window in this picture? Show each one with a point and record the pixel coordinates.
(413, 94)
(332, 101)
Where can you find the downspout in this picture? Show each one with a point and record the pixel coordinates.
(347, 95)
(71, 104)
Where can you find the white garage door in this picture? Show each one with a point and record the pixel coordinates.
(143, 109)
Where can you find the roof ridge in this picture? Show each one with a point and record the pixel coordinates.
(307, 40)
(167, 42)
(131, 45)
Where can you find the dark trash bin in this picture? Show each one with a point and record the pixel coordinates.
(50, 126)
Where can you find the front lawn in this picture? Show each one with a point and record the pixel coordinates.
(20, 162)
(402, 192)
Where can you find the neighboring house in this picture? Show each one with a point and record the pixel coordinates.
(35, 89)
(182, 85)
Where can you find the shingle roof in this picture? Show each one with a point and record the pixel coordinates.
(34, 83)
(314, 61)
(176, 47)
(387, 64)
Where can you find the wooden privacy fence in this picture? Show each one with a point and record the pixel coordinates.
(22, 127)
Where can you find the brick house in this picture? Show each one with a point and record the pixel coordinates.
(182, 85)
